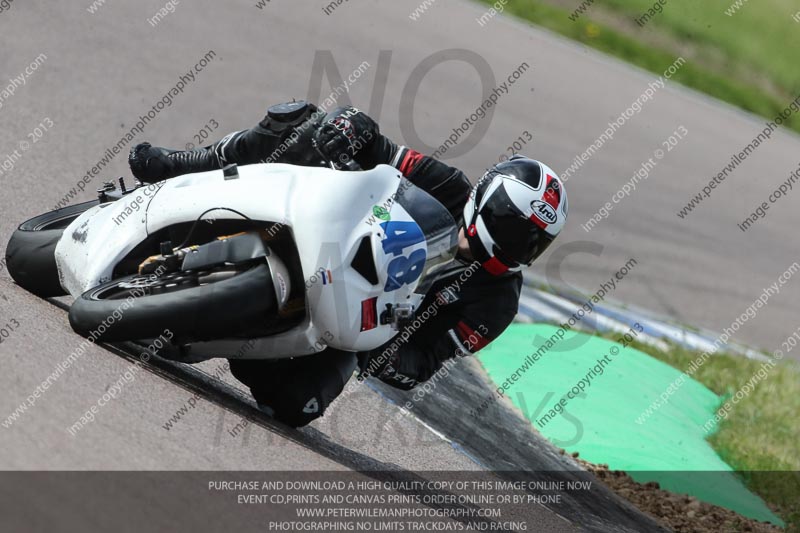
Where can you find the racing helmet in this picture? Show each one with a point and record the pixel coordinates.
(513, 214)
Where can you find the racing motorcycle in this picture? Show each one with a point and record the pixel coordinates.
(286, 259)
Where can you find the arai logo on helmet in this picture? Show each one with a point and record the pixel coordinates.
(544, 211)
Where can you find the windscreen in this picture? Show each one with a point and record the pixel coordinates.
(438, 227)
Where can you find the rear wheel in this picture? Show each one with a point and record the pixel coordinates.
(192, 305)
(30, 254)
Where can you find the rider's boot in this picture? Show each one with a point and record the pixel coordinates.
(150, 164)
(282, 136)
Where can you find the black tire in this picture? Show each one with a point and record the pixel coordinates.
(30, 254)
(189, 310)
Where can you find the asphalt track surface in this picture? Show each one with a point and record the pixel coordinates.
(103, 70)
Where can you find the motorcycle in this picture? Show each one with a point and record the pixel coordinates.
(285, 259)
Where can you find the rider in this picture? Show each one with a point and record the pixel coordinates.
(506, 221)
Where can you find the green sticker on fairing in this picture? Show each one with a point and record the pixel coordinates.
(381, 212)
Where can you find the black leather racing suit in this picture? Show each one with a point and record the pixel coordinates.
(466, 308)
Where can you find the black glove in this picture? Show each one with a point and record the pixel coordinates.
(344, 133)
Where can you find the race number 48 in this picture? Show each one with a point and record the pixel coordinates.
(403, 269)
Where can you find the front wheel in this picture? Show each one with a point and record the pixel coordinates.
(30, 254)
(192, 305)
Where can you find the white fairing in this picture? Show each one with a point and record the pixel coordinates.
(328, 213)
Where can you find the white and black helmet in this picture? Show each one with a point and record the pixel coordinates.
(513, 214)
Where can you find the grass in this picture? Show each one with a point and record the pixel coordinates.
(760, 436)
(747, 60)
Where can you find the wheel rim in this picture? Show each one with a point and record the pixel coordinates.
(151, 285)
